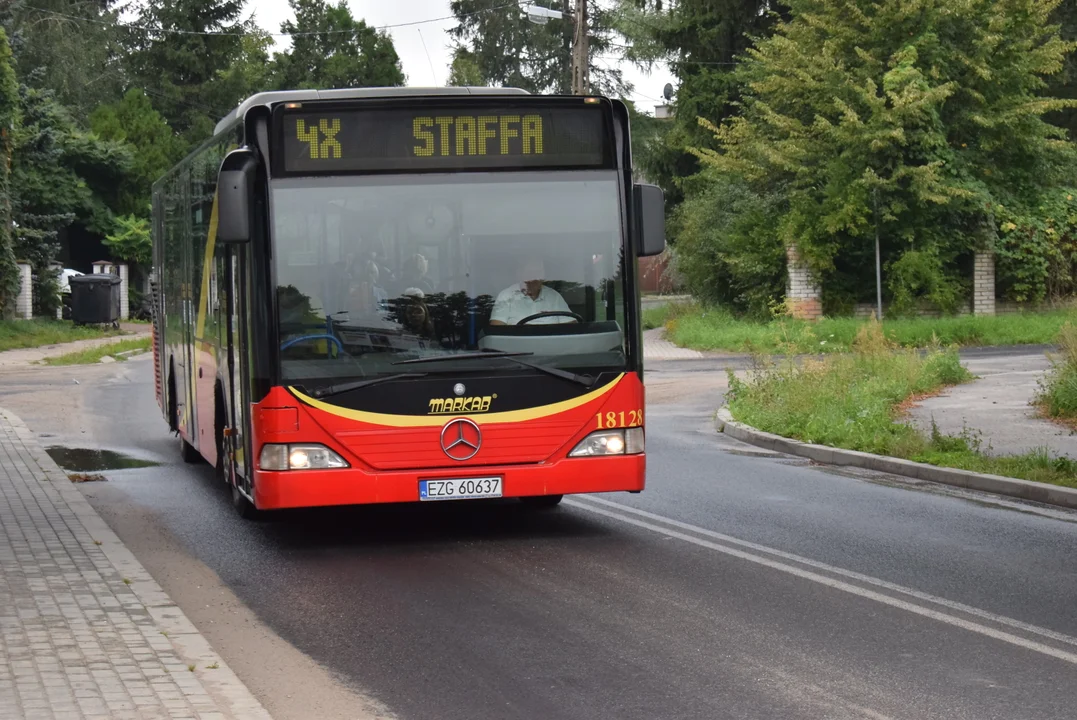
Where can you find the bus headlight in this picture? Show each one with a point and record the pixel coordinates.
(307, 456)
(610, 442)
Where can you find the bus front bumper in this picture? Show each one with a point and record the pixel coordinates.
(317, 488)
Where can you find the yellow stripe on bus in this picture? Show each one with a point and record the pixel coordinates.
(207, 267)
(388, 420)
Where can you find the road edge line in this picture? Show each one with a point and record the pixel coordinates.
(1056, 495)
(190, 645)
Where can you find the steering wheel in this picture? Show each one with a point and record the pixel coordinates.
(303, 338)
(550, 313)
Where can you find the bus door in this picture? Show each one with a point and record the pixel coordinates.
(188, 310)
(236, 310)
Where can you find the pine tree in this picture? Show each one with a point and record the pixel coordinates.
(511, 51)
(702, 41)
(344, 52)
(181, 69)
(919, 116)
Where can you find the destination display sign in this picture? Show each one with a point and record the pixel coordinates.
(465, 137)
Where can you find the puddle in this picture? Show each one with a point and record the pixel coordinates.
(85, 460)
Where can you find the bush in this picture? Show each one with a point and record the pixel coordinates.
(1058, 391)
(728, 249)
(1036, 254)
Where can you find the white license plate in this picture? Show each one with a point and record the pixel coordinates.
(460, 488)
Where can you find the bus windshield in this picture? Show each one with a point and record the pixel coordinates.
(375, 270)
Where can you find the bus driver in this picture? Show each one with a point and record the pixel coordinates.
(528, 297)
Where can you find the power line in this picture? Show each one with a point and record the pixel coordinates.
(161, 31)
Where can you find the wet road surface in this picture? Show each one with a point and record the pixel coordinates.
(740, 584)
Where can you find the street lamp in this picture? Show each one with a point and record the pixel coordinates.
(541, 15)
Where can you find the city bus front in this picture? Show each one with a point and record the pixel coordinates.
(455, 307)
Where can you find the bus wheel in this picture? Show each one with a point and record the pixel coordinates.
(541, 501)
(243, 506)
(188, 453)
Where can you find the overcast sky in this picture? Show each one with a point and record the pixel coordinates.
(430, 65)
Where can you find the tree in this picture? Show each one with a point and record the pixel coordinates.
(130, 240)
(464, 70)
(155, 147)
(70, 47)
(343, 52)
(702, 41)
(914, 117)
(9, 105)
(250, 72)
(181, 69)
(511, 51)
(59, 175)
(1064, 84)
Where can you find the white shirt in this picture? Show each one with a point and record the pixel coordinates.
(514, 304)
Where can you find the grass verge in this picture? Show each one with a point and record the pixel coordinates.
(707, 328)
(94, 355)
(1057, 398)
(855, 401)
(17, 334)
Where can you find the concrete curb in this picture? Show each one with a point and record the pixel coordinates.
(222, 684)
(1012, 487)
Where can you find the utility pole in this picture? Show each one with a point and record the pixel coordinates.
(581, 80)
(579, 65)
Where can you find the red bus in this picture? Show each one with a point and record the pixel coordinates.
(389, 295)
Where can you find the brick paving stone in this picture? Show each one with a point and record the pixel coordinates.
(76, 642)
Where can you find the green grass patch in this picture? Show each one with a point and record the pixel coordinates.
(94, 355)
(854, 401)
(1058, 390)
(17, 334)
(708, 328)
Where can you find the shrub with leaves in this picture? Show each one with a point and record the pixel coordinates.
(913, 119)
(130, 240)
(1036, 253)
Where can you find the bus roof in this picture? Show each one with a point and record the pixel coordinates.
(278, 96)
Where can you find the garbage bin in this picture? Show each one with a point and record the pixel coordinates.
(95, 299)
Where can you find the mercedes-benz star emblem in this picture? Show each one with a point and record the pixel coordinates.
(459, 389)
(461, 439)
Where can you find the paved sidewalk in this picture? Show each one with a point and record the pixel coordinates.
(996, 406)
(85, 632)
(656, 347)
(27, 356)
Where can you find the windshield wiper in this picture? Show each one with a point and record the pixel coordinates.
(328, 390)
(585, 380)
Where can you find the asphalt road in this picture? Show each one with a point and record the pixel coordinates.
(738, 585)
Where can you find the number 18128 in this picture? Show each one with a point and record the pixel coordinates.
(622, 419)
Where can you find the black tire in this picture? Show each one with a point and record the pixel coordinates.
(244, 507)
(220, 470)
(541, 501)
(188, 453)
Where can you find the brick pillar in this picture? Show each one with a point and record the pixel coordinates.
(24, 303)
(802, 292)
(983, 284)
(125, 304)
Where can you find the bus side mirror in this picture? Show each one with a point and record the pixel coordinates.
(234, 183)
(651, 221)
